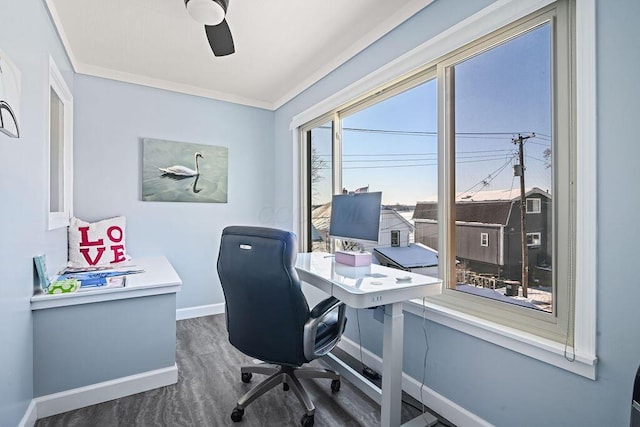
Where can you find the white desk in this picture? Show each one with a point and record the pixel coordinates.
(364, 287)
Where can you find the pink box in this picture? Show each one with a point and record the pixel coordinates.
(354, 259)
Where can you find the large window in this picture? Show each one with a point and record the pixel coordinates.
(462, 150)
(509, 96)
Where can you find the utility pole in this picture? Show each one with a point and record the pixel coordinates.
(523, 233)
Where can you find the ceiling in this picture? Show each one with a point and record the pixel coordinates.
(282, 46)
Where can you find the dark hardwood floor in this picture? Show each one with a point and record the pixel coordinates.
(209, 385)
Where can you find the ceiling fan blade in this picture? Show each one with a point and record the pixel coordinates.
(220, 38)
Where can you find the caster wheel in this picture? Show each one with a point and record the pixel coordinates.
(285, 386)
(246, 377)
(306, 421)
(335, 385)
(237, 414)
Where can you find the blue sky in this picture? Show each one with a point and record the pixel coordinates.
(392, 146)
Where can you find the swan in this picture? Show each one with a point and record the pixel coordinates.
(180, 170)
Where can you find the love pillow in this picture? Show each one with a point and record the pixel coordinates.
(99, 243)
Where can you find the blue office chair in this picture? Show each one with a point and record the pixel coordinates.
(268, 317)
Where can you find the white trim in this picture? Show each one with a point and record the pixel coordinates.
(59, 86)
(30, 416)
(199, 311)
(536, 204)
(122, 76)
(541, 349)
(57, 23)
(498, 14)
(432, 399)
(80, 397)
(586, 203)
(536, 238)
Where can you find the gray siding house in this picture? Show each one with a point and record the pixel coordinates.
(488, 233)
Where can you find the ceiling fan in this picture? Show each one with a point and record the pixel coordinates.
(211, 13)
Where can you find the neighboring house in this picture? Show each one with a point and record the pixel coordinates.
(488, 232)
(394, 247)
(393, 227)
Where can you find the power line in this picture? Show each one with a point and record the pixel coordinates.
(409, 166)
(430, 133)
(420, 154)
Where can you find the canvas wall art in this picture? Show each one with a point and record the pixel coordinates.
(184, 172)
(9, 97)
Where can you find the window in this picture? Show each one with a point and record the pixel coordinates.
(386, 142)
(395, 238)
(533, 239)
(533, 206)
(542, 159)
(484, 239)
(509, 96)
(60, 149)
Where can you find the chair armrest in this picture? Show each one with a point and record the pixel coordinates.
(321, 312)
(325, 306)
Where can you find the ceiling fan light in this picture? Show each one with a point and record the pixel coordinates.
(206, 12)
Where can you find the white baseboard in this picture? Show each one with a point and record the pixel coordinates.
(80, 397)
(434, 400)
(199, 311)
(30, 417)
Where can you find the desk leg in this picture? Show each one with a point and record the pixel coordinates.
(392, 349)
(392, 365)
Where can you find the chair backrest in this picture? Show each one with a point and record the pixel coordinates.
(265, 307)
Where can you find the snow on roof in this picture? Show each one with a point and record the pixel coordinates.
(321, 217)
(413, 256)
(490, 195)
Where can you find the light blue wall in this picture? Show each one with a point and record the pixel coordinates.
(110, 119)
(505, 388)
(27, 37)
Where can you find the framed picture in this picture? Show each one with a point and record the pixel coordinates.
(9, 97)
(184, 172)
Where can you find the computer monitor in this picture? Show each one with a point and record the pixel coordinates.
(356, 217)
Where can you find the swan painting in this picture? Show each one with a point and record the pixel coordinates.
(179, 170)
(207, 182)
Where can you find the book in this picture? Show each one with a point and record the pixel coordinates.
(57, 286)
(73, 280)
(40, 262)
(99, 279)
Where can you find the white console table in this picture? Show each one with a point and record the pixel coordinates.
(101, 344)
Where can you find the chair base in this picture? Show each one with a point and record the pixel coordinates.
(289, 376)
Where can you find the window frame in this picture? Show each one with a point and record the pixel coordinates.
(556, 325)
(535, 202)
(579, 358)
(60, 218)
(536, 241)
(484, 240)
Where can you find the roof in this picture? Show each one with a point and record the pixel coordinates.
(413, 256)
(496, 212)
(321, 217)
(512, 194)
(486, 207)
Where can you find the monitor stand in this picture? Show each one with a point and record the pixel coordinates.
(353, 258)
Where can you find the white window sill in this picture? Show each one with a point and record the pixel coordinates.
(541, 349)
